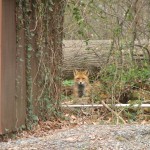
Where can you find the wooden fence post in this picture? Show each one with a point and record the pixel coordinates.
(12, 112)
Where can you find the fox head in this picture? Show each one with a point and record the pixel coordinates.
(81, 77)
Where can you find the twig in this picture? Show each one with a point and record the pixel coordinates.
(105, 105)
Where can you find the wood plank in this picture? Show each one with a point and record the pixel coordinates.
(0, 65)
(12, 109)
(8, 57)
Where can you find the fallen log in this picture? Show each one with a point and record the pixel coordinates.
(78, 55)
(92, 56)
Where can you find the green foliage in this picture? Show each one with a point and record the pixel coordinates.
(132, 113)
(68, 82)
(129, 16)
(117, 30)
(75, 10)
(135, 74)
(125, 75)
(124, 83)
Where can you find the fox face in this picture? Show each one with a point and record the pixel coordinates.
(81, 78)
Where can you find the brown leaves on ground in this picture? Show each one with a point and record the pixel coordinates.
(45, 128)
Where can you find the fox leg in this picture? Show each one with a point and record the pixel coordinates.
(75, 92)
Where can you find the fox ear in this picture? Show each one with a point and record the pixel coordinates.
(75, 72)
(86, 72)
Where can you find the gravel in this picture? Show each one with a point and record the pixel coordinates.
(87, 137)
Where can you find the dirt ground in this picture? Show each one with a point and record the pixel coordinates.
(86, 137)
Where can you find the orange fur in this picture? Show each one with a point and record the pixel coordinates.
(81, 83)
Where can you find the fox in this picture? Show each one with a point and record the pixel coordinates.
(81, 86)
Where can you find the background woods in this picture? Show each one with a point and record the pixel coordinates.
(111, 39)
(108, 29)
(45, 40)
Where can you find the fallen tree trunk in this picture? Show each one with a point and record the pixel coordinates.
(93, 56)
(78, 55)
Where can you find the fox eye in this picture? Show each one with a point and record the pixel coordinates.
(83, 78)
(78, 78)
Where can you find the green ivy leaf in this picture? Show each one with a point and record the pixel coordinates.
(35, 118)
(50, 8)
(29, 48)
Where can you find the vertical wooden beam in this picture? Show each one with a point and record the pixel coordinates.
(0, 65)
(9, 119)
(8, 57)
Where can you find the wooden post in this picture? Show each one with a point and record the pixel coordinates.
(0, 64)
(11, 116)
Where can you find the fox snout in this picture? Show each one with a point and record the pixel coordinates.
(81, 83)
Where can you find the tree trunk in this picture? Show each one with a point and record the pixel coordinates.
(47, 65)
(42, 23)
